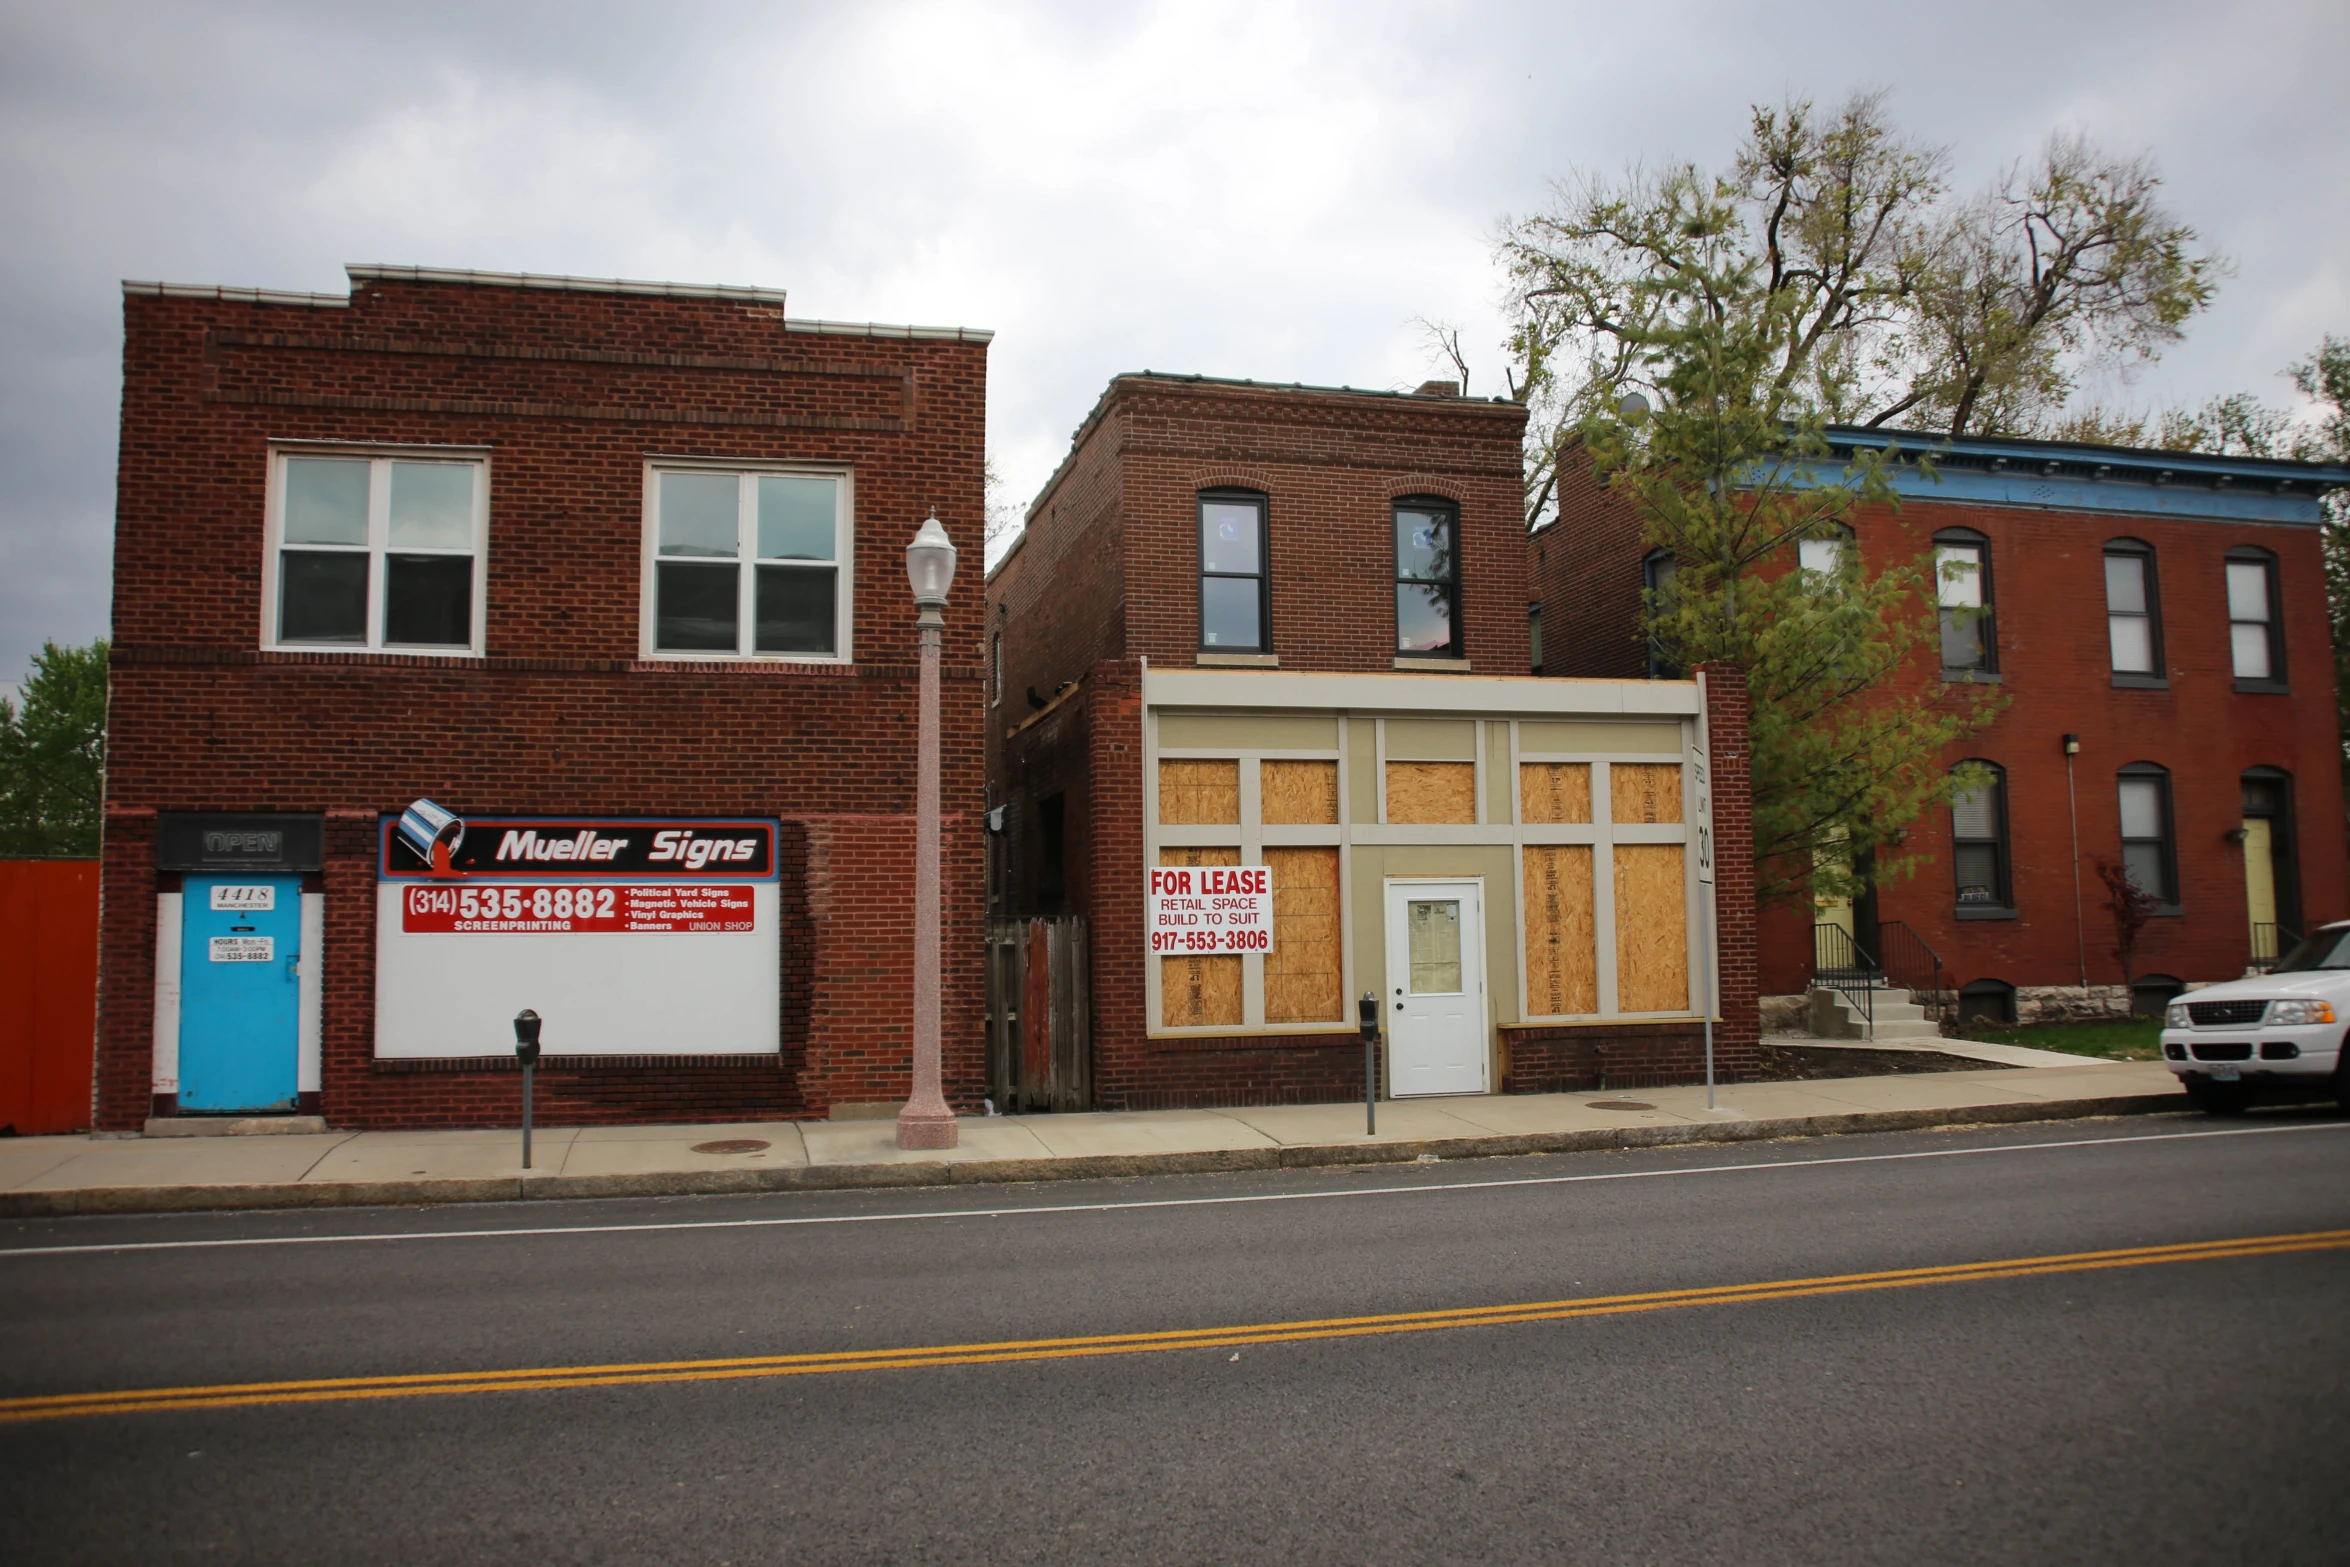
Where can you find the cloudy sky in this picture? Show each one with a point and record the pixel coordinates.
(1256, 189)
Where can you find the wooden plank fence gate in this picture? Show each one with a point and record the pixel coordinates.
(1039, 1016)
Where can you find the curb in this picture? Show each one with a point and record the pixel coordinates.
(983, 1172)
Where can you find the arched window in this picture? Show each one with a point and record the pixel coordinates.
(1825, 556)
(2149, 852)
(1962, 572)
(2256, 622)
(1235, 589)
(1986, 1001)
(1978, 847)
(1427, 578)
(2133, 614)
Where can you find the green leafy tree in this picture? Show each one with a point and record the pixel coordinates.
(53, 756)
(2324, 377)
(1689, 336)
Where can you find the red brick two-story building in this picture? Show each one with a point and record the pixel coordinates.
(487, 641)
(2157, 625)
(1261, 715)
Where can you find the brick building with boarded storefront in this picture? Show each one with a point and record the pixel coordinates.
(1280, 627)
(2163, 612)
(582, 563)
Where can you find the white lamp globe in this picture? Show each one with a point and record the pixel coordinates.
(930, 562)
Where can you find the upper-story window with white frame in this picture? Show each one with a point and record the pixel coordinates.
(747, 563)
(379, 550)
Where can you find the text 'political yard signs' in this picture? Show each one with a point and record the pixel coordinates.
(1211, 908)
(663, 907)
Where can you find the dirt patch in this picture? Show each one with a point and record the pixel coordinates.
(1801, 1063)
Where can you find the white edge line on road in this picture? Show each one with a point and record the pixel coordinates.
(1758, 1167)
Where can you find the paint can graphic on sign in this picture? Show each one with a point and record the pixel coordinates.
(433, 833)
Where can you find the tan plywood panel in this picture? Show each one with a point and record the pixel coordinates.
(1550, 793)
(1652, 929)
(1422, 793)
(1644, 793)
(1301, 793)
(1562, 945)
(1199, 793)
(1305, 981)
(1200, 991)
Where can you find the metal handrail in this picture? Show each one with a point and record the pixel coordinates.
(1839, 964)
(1909, 964)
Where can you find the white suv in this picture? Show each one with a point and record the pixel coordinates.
(2274, 1035)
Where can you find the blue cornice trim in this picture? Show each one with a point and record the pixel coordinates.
(2057, 476)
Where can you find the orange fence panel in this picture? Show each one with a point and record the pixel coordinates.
(48, 993)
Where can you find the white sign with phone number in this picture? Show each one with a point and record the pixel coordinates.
(1211, 908)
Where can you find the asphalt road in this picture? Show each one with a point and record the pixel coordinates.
(2194, 1409)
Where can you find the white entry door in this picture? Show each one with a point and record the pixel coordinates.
(1435, 988)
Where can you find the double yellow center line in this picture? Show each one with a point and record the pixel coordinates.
(338, 1389)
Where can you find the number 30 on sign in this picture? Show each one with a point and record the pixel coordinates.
(1211, 908)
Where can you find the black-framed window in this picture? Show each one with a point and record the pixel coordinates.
(1656, 579)
(1235, 589)
(1962, 580)
(1427, 578)
(2133, 614)
(1978, 845)
(2149, 849)
(2256, 629)
(1534, 636)
(995, 666)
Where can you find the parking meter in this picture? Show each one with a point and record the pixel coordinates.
(526, 1050)
(1369, 1013)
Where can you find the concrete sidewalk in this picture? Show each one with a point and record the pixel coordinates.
(66, 1175)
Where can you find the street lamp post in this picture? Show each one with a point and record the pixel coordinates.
(927, 1121)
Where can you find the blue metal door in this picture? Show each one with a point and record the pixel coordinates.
(240, 988)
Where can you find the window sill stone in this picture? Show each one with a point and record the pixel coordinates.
(1982, 911)
(1207, 660)
(1434, 666)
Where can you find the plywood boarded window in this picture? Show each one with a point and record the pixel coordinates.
(1199, 991)
(1199, 794)
(1644, 793)
(1301, 793)
(1652, 929)
(1553, 792)
(1304, 980)
(1421, 793)
(1562, 948)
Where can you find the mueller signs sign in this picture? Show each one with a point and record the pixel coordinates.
(650, 876)
(630, 936)
(505, 847)
(1211, 908)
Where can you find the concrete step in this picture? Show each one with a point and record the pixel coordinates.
(1834, 1015)
(1905, 1028)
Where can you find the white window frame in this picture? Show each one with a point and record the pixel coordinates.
(844, 565)
(379, 459)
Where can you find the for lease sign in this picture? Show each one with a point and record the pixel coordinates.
(1211, 908)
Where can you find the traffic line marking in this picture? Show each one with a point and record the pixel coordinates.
(1039, 1210)
(56, 1406)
